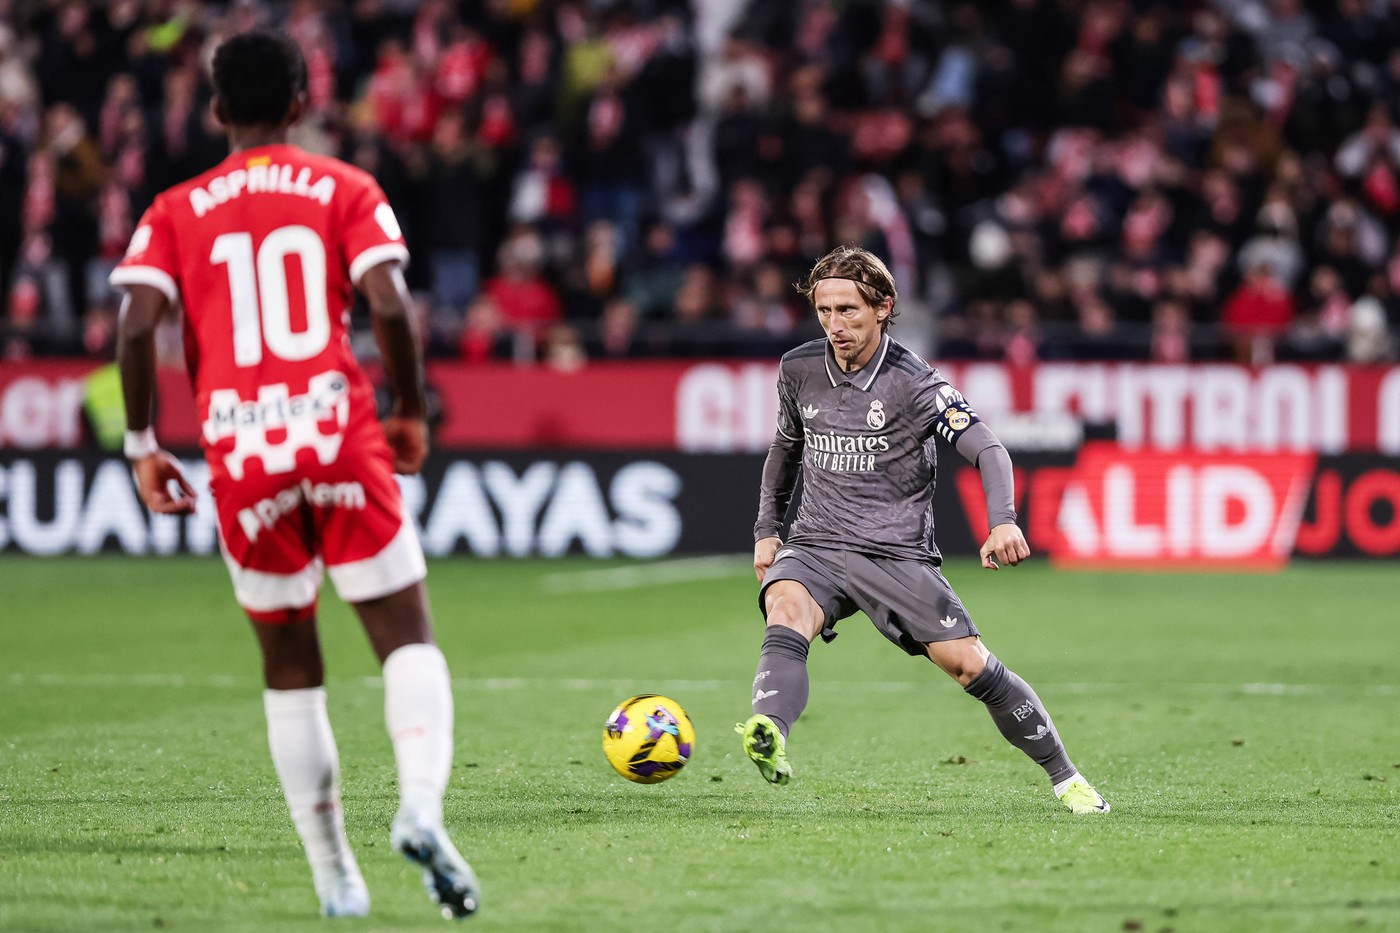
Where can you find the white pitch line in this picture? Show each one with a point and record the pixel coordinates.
(685, 570)
(126, 680)
(621, 684)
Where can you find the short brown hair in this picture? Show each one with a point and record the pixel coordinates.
(872, 277)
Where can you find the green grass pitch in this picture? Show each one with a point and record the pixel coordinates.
(1243, 727)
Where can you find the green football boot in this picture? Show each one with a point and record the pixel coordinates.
(765, 746)
(1081, 798)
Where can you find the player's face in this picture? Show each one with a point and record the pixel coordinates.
(851, 324)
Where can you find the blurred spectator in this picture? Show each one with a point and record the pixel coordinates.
(610, 160)
(1275, 241)
(14, 158)
(654, 276)
(562, 349)
(1370, 158)
(528, 303)
(1098, 337)
(1318, 332)
(744, 242)
(1368, 340)
(537, 78)
(543, 194)
(1256, 315)
(1171, 333)
(74, 235)
(184, 142)
(1282, 32)
(739, 67)
(739, 138)
(618, 335)
(1023, 337)
(592, 278)
(450, 192)
(484, 336)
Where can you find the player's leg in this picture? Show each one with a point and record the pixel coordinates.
(418, 711)
(418, 708)
(305, 757)
(796, 591)
(1017, 711)
(276, 576)
(913, 605)
(1019, 715)
(376, 563)
(780, 686)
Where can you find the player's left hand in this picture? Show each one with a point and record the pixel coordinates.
(154, 474)
(1005, 545)
(408, 439)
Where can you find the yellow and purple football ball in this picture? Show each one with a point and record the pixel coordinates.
(648, 738)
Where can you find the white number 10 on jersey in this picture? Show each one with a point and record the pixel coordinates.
(258, 292)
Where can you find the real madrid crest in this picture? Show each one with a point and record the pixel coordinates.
(875, 417)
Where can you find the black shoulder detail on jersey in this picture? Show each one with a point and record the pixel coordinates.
(815, 347)
(911, 365)
(906, 360)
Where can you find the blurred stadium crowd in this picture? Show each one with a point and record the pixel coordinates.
(585, 179)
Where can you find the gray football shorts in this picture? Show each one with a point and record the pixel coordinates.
(909, 601)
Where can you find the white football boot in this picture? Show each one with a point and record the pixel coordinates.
(447, 876)
(342, 891)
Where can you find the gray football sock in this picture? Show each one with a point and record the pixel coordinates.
(780, 686)
(1021, 717)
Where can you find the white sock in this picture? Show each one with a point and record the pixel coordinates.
(418, 712)
(1060, 787)
(304, 753)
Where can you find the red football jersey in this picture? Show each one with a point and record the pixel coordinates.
(263, 251)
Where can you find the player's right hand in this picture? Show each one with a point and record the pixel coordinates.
(1005, 545)
(154, 475)
(408, 439)
(764, 550)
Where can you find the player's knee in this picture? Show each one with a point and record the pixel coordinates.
(293, 671)
(803, 627)
(963, 660)
(789, 611)
(966, 674)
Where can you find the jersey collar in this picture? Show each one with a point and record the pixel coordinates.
(866, 377)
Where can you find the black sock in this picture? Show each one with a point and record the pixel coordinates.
(1021, 717)
(780, 687)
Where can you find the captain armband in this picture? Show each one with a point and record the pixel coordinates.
(954, 420)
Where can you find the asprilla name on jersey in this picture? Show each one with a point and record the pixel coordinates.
(260, 177)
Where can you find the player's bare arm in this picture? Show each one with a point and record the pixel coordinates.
(155, 469)
(390, 314)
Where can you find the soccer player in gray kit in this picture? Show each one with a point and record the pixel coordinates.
(857, 416)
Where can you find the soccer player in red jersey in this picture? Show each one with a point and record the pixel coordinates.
(262, 253)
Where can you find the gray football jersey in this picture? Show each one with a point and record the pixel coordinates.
(866, 442)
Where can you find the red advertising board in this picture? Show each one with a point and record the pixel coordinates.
(1155, 509)
(1110, 506)
(711, 407)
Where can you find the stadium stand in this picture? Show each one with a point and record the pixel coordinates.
(614, 180)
